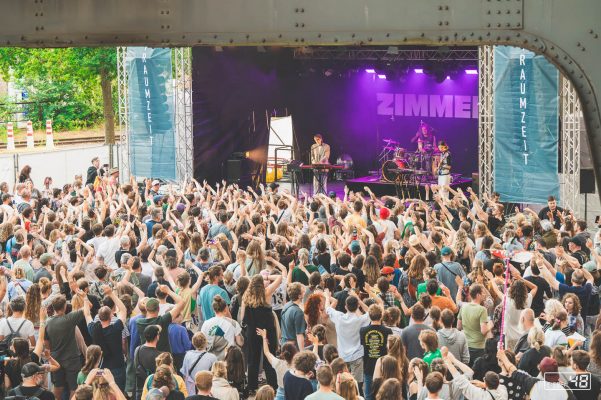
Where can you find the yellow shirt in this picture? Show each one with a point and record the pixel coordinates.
(181, 386)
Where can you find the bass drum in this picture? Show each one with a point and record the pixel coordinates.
(390, 167)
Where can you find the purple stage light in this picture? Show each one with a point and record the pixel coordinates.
(471, 71)
(418, 70)
(370, 71)
(381, 76)
(448, 77)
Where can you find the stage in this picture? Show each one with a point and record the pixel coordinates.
(383, 188)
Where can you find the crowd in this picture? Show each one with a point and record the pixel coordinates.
(147, 291)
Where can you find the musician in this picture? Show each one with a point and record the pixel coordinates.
(444, 168)
(426, 141)
(320, 154)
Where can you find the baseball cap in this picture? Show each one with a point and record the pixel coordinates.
(45, 258)
(157, 198)
(30, 369)
(156, 182)
(180, 207)
(446, 251)
(355, 247)
(578, 241)
(548, 369)
(387, 271)
(152, 305)
(384, 213)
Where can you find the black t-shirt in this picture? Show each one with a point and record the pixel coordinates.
(200, 397)
(163, 321)
(538, 301)
(531, 358)
(482, 365)
(109, 339)
(32, 391)
(120, 252)
(374, 339)
(585, 386)
(322, 259)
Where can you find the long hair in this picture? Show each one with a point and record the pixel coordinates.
(163, 376)
(575, 300)
(312, 309)
(255, 252)
(254, 297)
(389, 368)
(346, 386)
(195, 243)
(519, 293)
(371, 270)
(396, 349)
(417, 266)
(33, 302)
(22, 354)
(460, 242)
(93, 356)
(234, 360)
(561, 316)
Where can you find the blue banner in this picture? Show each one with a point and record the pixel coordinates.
(526, 126)
(151, 131)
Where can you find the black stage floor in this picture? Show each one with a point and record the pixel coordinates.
(383, 188)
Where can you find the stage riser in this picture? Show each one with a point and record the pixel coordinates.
(381, 188)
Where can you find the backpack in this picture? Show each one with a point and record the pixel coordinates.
(8, 339)
(20, 396)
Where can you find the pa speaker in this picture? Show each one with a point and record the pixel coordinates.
(587, 181)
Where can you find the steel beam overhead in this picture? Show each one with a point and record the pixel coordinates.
(566, 32)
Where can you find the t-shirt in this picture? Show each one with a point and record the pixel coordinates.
(107, 250)
(429, 356)
(374, 339)
(204, 364)
(299, 276)
(200, 397)
(410, 338)
(163, 321)
(447, 271)
(42, 273)
(324, 396)
(205, 299)
(109, 339)
(31, 391)
(348, 326)
(538, 301)
(27, 330)
(531, 358)
(226, 328)
(296, 387)
(60, 331)
(292, 322)
(472, 316)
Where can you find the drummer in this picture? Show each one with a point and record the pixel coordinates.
(426, 141)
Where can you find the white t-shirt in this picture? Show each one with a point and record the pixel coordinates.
(219, 326)
(347, 333)
(147, 269)
(107, 250)
(26, 331)
(8, 209)
(165, 308)
(96, 242)
(512, 319)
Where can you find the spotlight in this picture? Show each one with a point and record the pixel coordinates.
(418, 70)
(381, 76)
(471, 71)
(370, 71)
(328, 72)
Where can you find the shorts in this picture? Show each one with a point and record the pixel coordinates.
(356, 368)
(66, 378)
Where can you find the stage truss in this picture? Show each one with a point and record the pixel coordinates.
(182, 65)
(392, 54)
(486, 119)
(571, 115)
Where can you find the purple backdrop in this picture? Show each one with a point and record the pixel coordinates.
(353, 113)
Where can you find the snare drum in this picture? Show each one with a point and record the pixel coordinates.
(399, 153)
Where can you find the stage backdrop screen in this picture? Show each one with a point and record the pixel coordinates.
(151, 131)
(526, 126)
(235, 89)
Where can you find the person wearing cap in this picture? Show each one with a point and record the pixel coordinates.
(447, 270)
(33, 379)
(154, 188)
(576, 245)
(153, 318)
(47, 266)
(547, 387)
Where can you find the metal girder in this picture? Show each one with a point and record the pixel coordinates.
(182, 61)
(384, 54)
(486, 120)
(566, 32)
(570, 148)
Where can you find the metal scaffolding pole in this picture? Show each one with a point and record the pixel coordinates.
(571, 115)
(182, 57)
(122, 83)
(486, 119)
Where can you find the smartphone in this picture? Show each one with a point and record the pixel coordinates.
(100, 372)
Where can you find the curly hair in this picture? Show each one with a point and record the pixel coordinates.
(33, 302)
(254, 297)
(519, 293)
(313, 309)
(371, 269)
(163, 376)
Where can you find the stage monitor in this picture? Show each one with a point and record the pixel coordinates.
(281, 134)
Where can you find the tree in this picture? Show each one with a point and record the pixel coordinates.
(72, 86)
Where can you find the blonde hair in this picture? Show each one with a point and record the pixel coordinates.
(219, 369)
(346, 386)
(254, 296)
(553, 307)
(19, 272)
(536, 337)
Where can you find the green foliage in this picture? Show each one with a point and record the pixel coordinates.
(62, 84)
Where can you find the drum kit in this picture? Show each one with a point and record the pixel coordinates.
(407, 167)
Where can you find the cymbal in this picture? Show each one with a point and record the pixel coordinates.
(390, 141)
(390, 148)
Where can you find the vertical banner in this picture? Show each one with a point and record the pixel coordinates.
(526, 126)
(151, 131)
